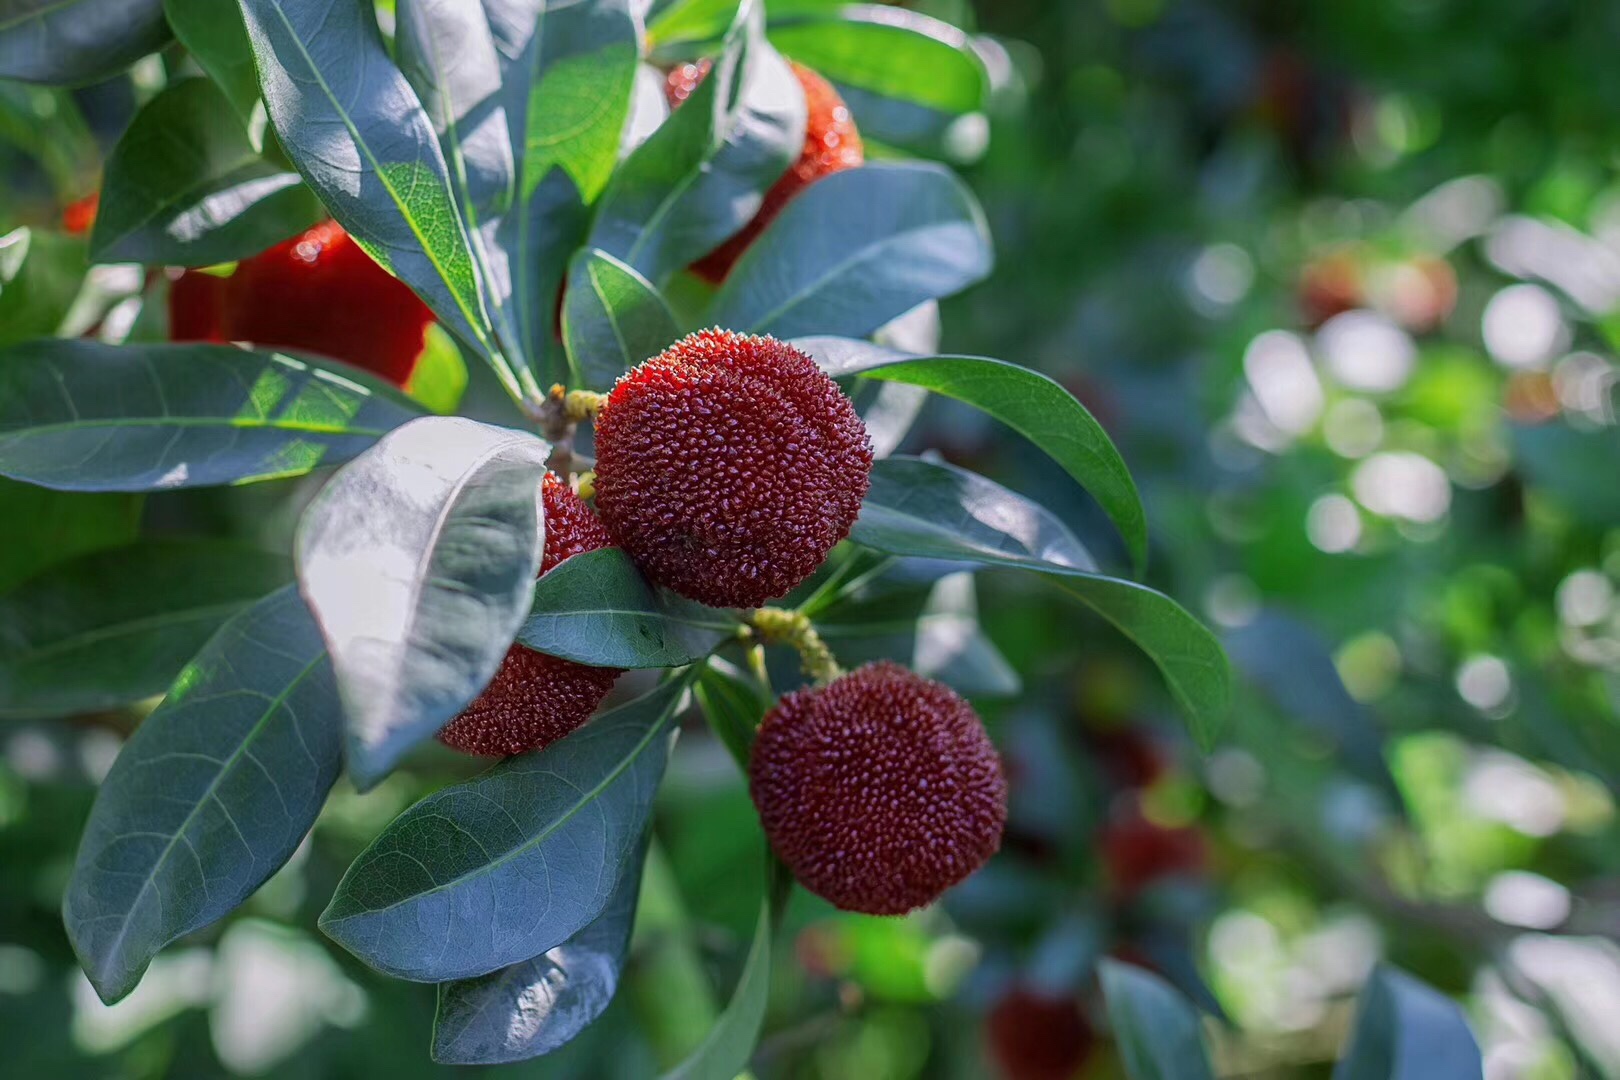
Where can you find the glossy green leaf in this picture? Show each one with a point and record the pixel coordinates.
(734, 705)
(116, 626)
(856, 249)
(703, 174)
(528, 1009)
(40, 275)
(184, 186)
(83, 416)
(509, 865)
(417, 559)
(919, 508)
(1406, 1030)
(67, 42)
(1157, 1030)
(215, 36)
(41, 528)
(439, 378)
(891, 52)
(210, 796)
(613, 319)
(1026, 401)
(597, 609)
(701, 21)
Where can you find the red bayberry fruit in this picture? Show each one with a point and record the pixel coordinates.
(319, 292)
(880, 791)
(536, 699)
(831, 144)
(79, 216)
(1036, 1036)
(1139, 852)
(728, 466)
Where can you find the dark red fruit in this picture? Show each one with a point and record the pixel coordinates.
(831, 144)
(1139, 852)
(79, 216)
(196, 303)
(880, 791)
(728, 466)
(536, 699)
(1036, 1036)
(318, 292)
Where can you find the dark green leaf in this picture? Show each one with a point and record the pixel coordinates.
(76, 41)
(1406, 1030)
(890, 52)
(1157, 1030)
(40, 528)
(116, 626)
(733, 704)
(532, 1008)
(40, 275)
(214, 35)
(1026, 401)
(856, 249)
(417, 559)
(596, 608)
(511, 864)
(703, 174)
(184, 186)
(613, 319)
(83, 416)
(211, 795)
(942, 512)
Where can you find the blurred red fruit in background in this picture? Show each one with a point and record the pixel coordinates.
(1035, 1036)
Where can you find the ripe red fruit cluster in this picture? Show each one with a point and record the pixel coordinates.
(1038, 1036)
(831, 144)
(318, 292)
(728, 466)
(536, 699)
(880, 790)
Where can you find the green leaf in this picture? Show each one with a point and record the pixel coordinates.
(726, 1050)
(934, 511)
(83, 416)
(704, 20)
(184, 186)
(1406, 1030)
(1026, 401)
(70, 42)
(856, 249)
(891, 52)
(595, 608)
(358, 134)
(116, 626)
(513, 863)
(210, 796)
(703, 174)
(1157, 1030)
(40, 275)
(439, 378)
(40, 528)
(215, 36)
(733, 704)
(534, 1007)
(417, 560)
(613, 319)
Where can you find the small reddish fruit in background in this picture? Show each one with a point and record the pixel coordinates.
(1139, 852)
(1037, 1036)
(728, 466)
(1129, 756)
(831, 144)
(880, 790)
(536, 699)
(1329, 286)
(319, 292)
(79, 216)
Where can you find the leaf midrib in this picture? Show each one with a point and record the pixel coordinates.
(112, 631)
(244, 423)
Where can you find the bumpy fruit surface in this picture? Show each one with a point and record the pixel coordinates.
(831, 144)
(880, 791)
(728, 466)
(1036, 1036)
(536, 699)
(317, 292)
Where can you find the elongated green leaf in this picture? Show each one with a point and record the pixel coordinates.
(439, 378)
(417, 559)
(897, 54)
(856, 249)
(40, 275)
(597, 609)
(211, 795)
(942, 512)
(1406, 1030)
(532, 1008)
(734, 705)
(116, 626)
(1026, 401)
(83, 416)
(215, 36)
(613, 319)
(511, 864)
(185, 186)
(68, 42)
(357, 132)
(41, 528)
(703, 175)
(1156, 1029)
(699, 21)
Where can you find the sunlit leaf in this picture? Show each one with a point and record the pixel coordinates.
(613, 319)
(888, 51)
